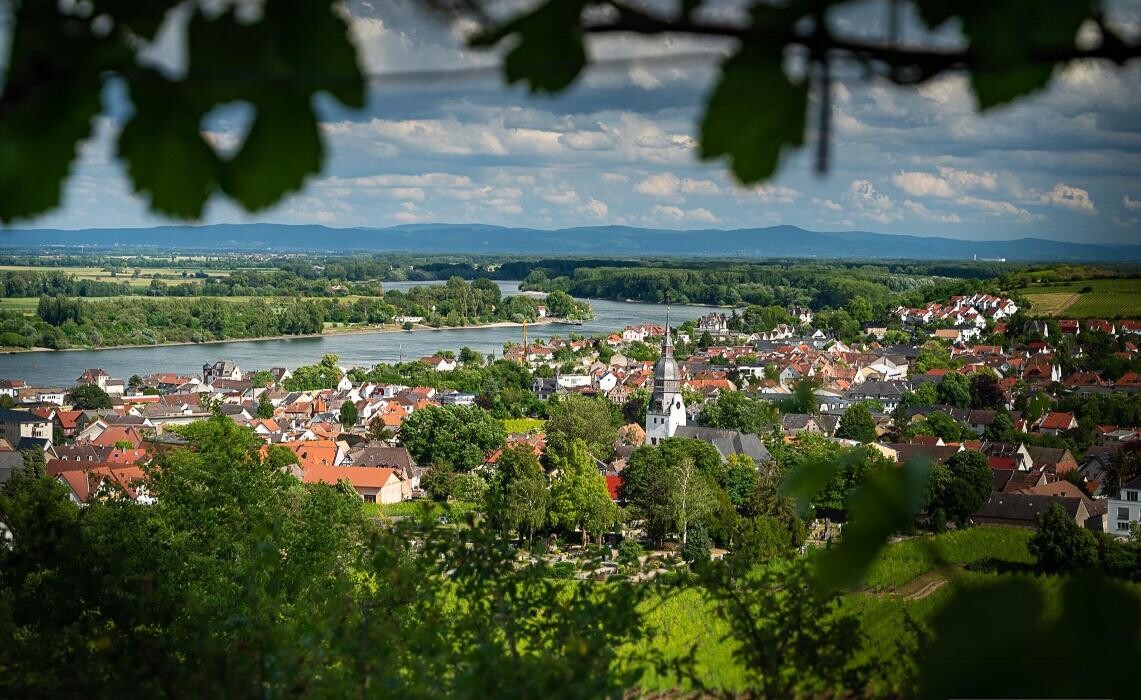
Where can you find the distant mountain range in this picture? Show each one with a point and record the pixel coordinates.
(773, 241)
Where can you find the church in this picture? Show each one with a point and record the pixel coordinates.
(666, 410)
(666, 417)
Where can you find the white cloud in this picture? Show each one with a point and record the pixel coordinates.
(661, 185)
(410, 213)
(871, 204)
(1130, 203)
(926, 214)
(614, 178)
(827, 204)
(596, 208)
(700, 187)
(777, 193)
(699, 215)
(587, 140)
(919, 184)
(1073, 198)
(558, 195)
(997, 208)
(966, 180)
(407, 193)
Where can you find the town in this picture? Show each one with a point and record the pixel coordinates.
(1048, 408)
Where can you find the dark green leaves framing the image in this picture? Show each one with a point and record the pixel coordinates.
(549, 52)
(754, 114)
(276, 64)
(166, 156)
(1005, 38)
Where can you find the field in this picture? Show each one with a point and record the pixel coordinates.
(523, 425)
(1092, 298)
(103, 274)
(898, 589)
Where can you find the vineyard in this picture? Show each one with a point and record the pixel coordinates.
(1101, 298)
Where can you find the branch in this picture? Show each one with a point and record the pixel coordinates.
(921, 64)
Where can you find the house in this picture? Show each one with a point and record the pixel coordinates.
(1022, 509)
(439, 363)
(714, 323)
(1057, 459)
(23, 428)
(1056, 422)
(795, 423)
(802, 314)
(727, 442)
(401, 320)
(1125, 509)
(221, 369)
(372, 484)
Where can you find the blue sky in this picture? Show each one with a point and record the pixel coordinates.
(618, 148)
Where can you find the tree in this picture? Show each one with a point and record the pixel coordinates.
(696, 548)
(378, 431)
(471, 357)
(955, 390)
(672, 485)
(261, 379)
(455, 435)
(577, 417)
(1001, 429)
(439, 481)
(135, 382)
(1060, 544)
(967, 488)
(733, 410)
(985, 391)
(740, 480)
(579, 497)
(89, 397)
(265, 406)
(348, 414)
(858, 424)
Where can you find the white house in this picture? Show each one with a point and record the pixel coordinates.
(1126, 509)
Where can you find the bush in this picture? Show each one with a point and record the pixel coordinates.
(629, 552)
(469, 487)
(563, 570)
(697, 547)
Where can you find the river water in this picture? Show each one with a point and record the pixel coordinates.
(360, 349)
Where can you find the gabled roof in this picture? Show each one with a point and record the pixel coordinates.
(728, 442)
(359, 477)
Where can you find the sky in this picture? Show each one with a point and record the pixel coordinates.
(619, 148)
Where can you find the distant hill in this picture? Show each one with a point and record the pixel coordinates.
(773, 241)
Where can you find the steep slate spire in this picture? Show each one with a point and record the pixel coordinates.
(667, 337)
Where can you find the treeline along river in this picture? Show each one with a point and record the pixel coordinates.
(354, 349)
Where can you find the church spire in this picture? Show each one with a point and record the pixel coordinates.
(667, 337)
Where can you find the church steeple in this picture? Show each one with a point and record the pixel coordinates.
(667, 337)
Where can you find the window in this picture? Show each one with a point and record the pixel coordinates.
(370, 498)
(1123, 525)
(1131, 496)
(1122, 513)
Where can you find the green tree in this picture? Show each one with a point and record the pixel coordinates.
(733, 410)
(348, 414)
(954, 390)
(265, 406)
(1060, 544)
(89, 397)
(967, 488)
(577, 417)
(1001, 429)
(697, 546)
(457, 435)
(579, 497)
(858, 424)
(985, 391)
(740, 480)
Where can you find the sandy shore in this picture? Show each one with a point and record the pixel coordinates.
(328, 334)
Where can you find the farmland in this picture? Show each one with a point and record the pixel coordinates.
(1091, 298)
(135, 276)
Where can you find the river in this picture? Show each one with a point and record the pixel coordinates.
(359, 349)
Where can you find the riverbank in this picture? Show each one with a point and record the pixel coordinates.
(328, 333)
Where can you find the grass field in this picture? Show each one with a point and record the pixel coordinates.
(406, 509)
(685, 619)
(100, 274)
(1106, 298)
(523, 425)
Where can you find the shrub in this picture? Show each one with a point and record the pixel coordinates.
(697, 547)
(629, 552)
